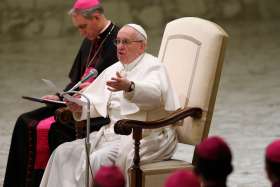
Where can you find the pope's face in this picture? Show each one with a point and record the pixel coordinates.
(128, 47)
(88, 28)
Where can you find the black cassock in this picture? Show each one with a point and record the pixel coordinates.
(20, 166)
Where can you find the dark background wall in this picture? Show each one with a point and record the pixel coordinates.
(48, 18)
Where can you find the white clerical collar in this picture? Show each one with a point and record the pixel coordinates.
(109, 22)
(130, 66)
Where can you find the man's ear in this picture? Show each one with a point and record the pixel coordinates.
(96, 16)
(143, 46)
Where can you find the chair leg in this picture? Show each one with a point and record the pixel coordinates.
(136, 172)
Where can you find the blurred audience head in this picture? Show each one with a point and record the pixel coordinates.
(109, 176)
(182, 178)
(213, 163)
(272, 162)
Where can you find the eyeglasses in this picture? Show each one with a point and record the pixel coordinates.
(125, 41)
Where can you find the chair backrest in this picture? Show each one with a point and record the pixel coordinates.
(193, 51)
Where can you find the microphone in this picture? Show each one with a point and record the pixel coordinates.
(92, 74)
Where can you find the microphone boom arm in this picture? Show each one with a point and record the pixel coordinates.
(93, 73)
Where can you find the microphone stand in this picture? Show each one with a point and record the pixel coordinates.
(87, 144)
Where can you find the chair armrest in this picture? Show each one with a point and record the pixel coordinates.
(125, 126)
(64, 115)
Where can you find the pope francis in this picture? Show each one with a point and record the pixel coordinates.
(137, 87)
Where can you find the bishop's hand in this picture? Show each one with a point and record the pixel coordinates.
(74, 107)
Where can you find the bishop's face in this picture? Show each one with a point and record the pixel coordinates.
(88, 28)
(128, 47)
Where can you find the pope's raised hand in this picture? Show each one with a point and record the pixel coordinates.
(118, 83)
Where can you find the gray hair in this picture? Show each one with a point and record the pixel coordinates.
(87, 13)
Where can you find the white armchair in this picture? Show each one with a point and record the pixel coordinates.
(193, 51)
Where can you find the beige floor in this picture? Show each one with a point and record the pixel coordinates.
(247, 107)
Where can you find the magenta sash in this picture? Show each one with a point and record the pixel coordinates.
(42, 144)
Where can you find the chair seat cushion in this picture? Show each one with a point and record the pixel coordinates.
(154, 174)
(165, 166)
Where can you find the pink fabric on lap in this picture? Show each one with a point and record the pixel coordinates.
(42, 146)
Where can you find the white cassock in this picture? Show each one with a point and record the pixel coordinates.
(152, 99)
